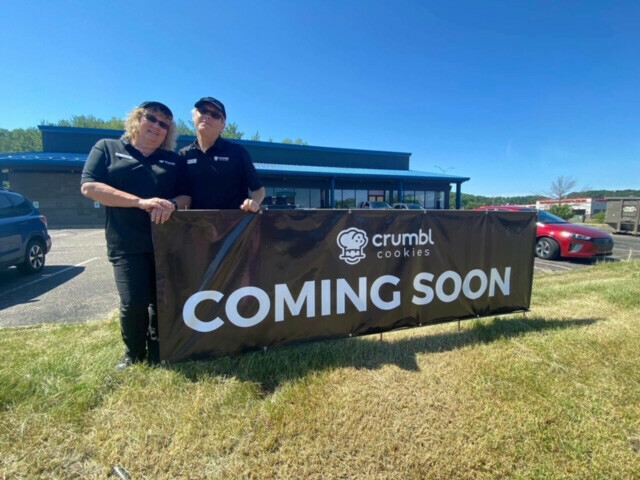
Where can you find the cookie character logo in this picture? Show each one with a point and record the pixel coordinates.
(352, 242)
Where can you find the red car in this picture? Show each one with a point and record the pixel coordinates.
(558, 238)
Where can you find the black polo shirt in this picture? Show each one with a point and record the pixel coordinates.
(221, 177)
(120, 165)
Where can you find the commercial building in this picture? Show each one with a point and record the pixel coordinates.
(583, 208)
(305, 176)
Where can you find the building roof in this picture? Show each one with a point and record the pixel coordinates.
(42, 159)
(107, 133)
(306, 170)
(77, 161)
(81, 140)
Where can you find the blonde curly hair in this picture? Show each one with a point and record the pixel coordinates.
(132, 126)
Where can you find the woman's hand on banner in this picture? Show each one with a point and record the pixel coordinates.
(148, 204)
(250, 205)
(161, 210)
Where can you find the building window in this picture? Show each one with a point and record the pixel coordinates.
(376, 195)
(302, 197)
(315, 198)
(348, 199)
(430, 200)
(268, 191)
(279, 192)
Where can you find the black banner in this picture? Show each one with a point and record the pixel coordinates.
(230, 281)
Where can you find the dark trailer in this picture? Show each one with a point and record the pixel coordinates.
(623, 214)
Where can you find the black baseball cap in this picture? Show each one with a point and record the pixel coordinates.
(158, 106)
(212, 101)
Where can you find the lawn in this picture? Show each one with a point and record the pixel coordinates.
(551, 394)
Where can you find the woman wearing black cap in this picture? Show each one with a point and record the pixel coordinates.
(140, 180)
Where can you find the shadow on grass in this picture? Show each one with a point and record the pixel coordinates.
(281, 365)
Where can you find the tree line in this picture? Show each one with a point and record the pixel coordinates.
(604, 193)
(473, 201)
(30, 139)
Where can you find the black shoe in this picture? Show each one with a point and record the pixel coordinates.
(125, 363)
(153, 362)
(153, 357)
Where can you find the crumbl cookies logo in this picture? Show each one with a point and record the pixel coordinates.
(385, 245)
(352, 242)
(403, 245)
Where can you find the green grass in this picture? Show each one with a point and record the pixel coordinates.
(551, 394)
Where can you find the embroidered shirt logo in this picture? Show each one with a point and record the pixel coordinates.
(191, 161)
(166, 161)
(220, 159)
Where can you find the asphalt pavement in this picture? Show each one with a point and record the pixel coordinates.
(77, 286)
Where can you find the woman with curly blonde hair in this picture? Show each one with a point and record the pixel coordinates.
(140, 180)
(132, 124)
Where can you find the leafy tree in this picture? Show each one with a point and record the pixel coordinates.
(472, 201)
(89, 121)
(30, 139)
(184, 128)
(297, 141)
(469, 202)
(562, 211)
(231, 131)
(604, 193)
(20, 140)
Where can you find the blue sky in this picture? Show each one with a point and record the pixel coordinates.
(511, 94)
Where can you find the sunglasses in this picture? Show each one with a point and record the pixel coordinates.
(154, 119)
(212, 113)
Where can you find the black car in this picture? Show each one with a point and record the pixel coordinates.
(24, 239)
(278, 203)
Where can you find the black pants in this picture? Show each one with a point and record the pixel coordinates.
(136, 283)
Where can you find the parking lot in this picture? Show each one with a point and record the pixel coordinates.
(77, 285)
